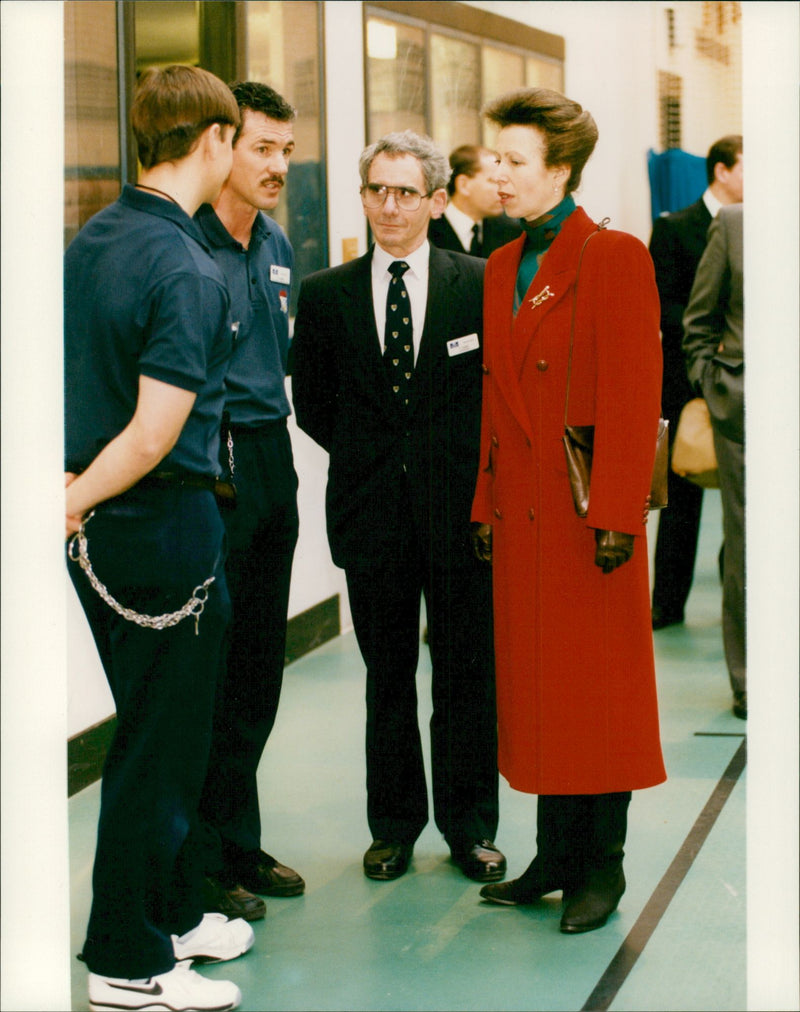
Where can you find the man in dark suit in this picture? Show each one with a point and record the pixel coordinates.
(473, 221)
(713, 343)
(387, 379)
(676, 245)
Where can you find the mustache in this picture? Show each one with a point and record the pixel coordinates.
(278, 180)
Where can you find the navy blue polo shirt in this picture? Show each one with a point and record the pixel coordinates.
(143, 297)
(259, 284)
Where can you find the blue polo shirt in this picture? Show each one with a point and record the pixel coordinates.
(259, 283)
(143, 297)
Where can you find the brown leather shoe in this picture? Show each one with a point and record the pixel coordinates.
(482, 862)
(231, 900)
(740, 705)
(264, 874)
(385, 860)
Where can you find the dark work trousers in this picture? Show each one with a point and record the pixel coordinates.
(385, 601)
(262, 533)
(151, 548)
(676, 543)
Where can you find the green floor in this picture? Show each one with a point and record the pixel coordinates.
(426, 941)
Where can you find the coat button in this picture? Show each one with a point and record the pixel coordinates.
(495, 441)
(531, 514)
(541, 365)
(485, 368)
(498, 514)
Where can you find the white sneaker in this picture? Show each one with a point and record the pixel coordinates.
(214, 940)
(179, 990)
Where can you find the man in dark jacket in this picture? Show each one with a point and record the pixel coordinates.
(473, 221)
(676, 245)
(387, 379)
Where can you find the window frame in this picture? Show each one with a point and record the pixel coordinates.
(466, 24)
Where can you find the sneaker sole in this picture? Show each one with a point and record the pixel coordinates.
(159, 1007)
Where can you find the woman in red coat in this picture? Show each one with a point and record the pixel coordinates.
(576, 691)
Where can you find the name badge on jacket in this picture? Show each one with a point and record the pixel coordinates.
(280, 274)
(461, 344)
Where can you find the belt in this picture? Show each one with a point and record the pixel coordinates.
(186, 479)
(273, 425)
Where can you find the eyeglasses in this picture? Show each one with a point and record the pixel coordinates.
(406, 198)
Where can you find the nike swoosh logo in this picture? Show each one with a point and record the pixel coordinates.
(155, 988)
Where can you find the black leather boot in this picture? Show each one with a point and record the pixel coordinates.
(604, 883)
(560, 830)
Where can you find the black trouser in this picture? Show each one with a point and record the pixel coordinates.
(151, 547)
(262, 534)
(676, 543)
(385, 603)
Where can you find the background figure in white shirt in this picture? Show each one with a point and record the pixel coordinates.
(473, 221)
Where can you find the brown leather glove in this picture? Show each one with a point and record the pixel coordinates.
(482, 541)
(613, 549)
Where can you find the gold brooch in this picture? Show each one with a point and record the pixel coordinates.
(543, 296)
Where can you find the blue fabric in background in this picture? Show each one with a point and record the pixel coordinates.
(677, 179)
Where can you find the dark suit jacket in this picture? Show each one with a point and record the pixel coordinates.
(497, 232)
(676, 245)
(395, 475)
(714, 324)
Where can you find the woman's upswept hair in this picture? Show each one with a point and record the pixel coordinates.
(173, 106)
(435, 167)
(570, 132)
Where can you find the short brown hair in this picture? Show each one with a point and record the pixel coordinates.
(725, 150)
(173, 106)
(465, 160)
(570, 133)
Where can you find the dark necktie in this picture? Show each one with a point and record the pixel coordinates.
(475, 245)
(399, 334)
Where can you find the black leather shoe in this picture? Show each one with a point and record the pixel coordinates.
(231, 900)
(661, 619)
(262, 873)
(591, 906)
(740, 705)
(385, 860)
(482, 862)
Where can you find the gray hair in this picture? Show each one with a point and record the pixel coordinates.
(435, 166)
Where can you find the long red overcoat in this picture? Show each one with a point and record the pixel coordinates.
(576, 690)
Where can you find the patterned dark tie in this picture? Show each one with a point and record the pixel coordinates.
(399, 334)
(475, 245)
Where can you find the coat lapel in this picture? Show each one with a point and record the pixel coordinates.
(359, 314)
(552, 284)
(442, 277)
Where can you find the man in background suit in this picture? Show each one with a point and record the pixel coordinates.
(676, 245)
(714, 347)
(387, 379)
(473, 221)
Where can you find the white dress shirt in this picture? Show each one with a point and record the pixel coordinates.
(711, 203)
(462, 225)
(416, 281)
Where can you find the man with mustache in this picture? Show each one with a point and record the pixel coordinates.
(256, 455)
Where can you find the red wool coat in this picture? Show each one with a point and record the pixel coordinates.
(576, 692)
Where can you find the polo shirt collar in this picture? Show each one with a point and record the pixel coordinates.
(219, 236)
(150, 203)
